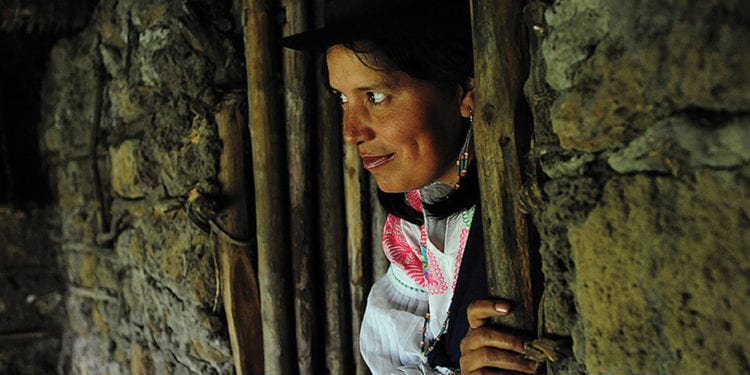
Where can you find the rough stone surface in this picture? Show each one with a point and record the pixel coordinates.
(642, 211)
(660, 289)
(641, 149)
(620, 66)
(568, 202)
(141, 276)
(677, 144)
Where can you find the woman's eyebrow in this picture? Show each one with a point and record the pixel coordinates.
(370, 87)
(377, 86)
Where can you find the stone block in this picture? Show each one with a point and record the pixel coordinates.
(91, 270)
(150, 14)
(569, 200)
(661, 288)
(140, 360)
(678, 144)
(131, 102)
(654, 60)
(80, 213)
(126, 164)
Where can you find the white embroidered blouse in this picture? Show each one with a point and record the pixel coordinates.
(391, 330)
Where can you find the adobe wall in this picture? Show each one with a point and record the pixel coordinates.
(644, 213)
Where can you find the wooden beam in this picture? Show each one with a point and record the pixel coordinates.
(338, 336)
(498, 75)
(379, 261)
(358, 246)
(239, 287)
(269, 171)
(299, 128)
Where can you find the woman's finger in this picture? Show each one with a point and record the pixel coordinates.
(492, 337)
(480, 311)
(486, 358)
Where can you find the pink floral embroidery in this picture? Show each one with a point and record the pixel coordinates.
(437, 283)
(460, 256)
(399, 252)
(414, 200)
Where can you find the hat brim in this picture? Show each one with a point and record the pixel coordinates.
(436, 22)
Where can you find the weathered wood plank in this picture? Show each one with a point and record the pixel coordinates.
(338, 357)
(269, 171)
(357, 199)
(496, 32)
(297, 84)
(379, 262)
(239, 287)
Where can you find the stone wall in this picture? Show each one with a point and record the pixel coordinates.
(127, 131)
(644, 214)
(642, 130)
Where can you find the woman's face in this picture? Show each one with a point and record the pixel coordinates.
(408, 132)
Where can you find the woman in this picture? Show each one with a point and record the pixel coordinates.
(403, 76)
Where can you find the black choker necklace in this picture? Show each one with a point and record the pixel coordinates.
(434, 192)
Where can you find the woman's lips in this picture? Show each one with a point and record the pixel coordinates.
(372, 162)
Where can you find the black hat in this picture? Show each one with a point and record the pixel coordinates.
(351, 20)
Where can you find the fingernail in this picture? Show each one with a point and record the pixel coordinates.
(501, 308)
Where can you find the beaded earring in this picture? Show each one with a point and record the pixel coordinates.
(462, 163)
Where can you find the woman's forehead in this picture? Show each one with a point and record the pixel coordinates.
(346, 69)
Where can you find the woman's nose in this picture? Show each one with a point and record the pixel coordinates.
(355, 130)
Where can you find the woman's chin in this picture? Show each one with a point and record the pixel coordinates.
(391, 187)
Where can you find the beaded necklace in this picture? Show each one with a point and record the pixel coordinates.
(424, 348)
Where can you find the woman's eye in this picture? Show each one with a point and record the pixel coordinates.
(376, 97)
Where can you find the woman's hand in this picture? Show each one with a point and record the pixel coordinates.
(490, 350)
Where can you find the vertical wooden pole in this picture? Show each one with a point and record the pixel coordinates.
(296, 69)
(496, 32)
(238, 280)
(338, 334)
(269, 167)
(379, 262)
(357, 199)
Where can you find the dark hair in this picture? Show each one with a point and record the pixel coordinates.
(446, 63)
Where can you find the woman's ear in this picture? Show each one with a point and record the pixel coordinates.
(467, 98)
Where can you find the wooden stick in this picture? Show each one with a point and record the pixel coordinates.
(296, 66)
(239, 288)
(266, 134)
(379, 262)
(496, 28)
(95, 294)
(357, 199)
(338, 336)
(333, 244)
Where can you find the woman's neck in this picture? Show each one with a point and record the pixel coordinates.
(434, 192)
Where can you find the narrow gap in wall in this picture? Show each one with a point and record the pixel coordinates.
(22, 180)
